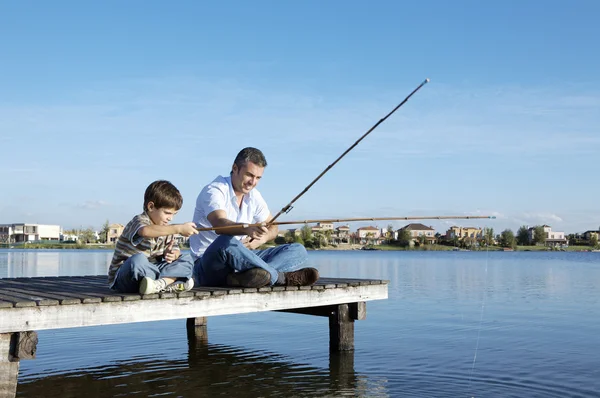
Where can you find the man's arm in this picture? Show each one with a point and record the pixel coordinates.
(273, 229)
(218, 218)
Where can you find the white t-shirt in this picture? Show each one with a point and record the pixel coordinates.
(219, 195)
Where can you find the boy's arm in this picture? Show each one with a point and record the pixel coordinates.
(156, 231)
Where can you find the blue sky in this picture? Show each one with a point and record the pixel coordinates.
(98, 99)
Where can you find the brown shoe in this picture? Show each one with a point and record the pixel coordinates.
(254, 277)
(302, 277)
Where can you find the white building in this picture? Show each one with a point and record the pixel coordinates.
(21, 232)
(553, 238)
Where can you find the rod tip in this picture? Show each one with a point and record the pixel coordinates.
(493, 217)
(427, 80)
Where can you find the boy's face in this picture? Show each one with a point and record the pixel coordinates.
(160, 216)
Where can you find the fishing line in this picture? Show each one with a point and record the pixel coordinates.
(487, 258)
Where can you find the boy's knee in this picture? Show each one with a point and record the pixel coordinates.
(137, 260)
(186, 258)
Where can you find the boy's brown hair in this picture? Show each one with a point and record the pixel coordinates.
(164, 195)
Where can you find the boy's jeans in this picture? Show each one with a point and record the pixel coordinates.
(227, 253)
(136, 267)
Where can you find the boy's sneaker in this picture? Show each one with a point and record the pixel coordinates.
(302, 277)
(180, 286)
(254, 277)
(151, 286)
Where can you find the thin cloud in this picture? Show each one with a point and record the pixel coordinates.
(92, 205)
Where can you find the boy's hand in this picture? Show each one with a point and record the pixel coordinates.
(170, 254)
(187, 229)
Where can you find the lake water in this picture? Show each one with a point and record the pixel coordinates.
(456, 324)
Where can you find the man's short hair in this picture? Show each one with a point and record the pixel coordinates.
(164, 195)
(250, 154)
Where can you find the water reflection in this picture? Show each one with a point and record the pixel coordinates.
(29, 263)
(209, 370)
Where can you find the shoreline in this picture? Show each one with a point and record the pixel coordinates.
(345, 247)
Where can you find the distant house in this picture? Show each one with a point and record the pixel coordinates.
(553, 238)
(68, 237)
(341, 235)
(417, 229)
(22, 232)
(368, 235)
(322, 227)
(295, 231)
(114, 231)
(588, 235)
(464, 232)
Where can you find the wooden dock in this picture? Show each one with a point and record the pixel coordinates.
(31, 304)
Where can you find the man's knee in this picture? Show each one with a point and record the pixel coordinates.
(298, 249)
(225, 240)
(222, 242)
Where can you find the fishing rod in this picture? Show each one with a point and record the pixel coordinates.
(332, 220)
(288, 207)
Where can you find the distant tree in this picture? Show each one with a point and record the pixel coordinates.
(327, 236)
(539, 236)
(523, 235)
(306, 232)
(469, 242)
(455, 241)
(594, 240)
(319, 240)
(390, 233)
(87, 236)
(488, 236)
(104, 232)
(289, 236)
(404, 237)
(298, 239)
(422, 239)
(507, 239)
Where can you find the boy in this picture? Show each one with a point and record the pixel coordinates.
(147, 259)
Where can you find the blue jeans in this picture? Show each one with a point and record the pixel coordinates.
(227, 254)
(136, 267)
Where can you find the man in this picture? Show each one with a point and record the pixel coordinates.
(229, 256)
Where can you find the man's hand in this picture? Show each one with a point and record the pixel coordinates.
(170, 254)
(187, 229)
(253, 244)
(258, 232)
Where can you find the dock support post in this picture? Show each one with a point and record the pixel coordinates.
(13, 348)
(341, 327)
(197, 330)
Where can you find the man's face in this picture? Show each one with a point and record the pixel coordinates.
(245, 178)
(160, 216)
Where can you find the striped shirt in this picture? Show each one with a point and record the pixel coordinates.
(130, 243)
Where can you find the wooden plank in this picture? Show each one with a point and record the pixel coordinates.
(53, 317)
